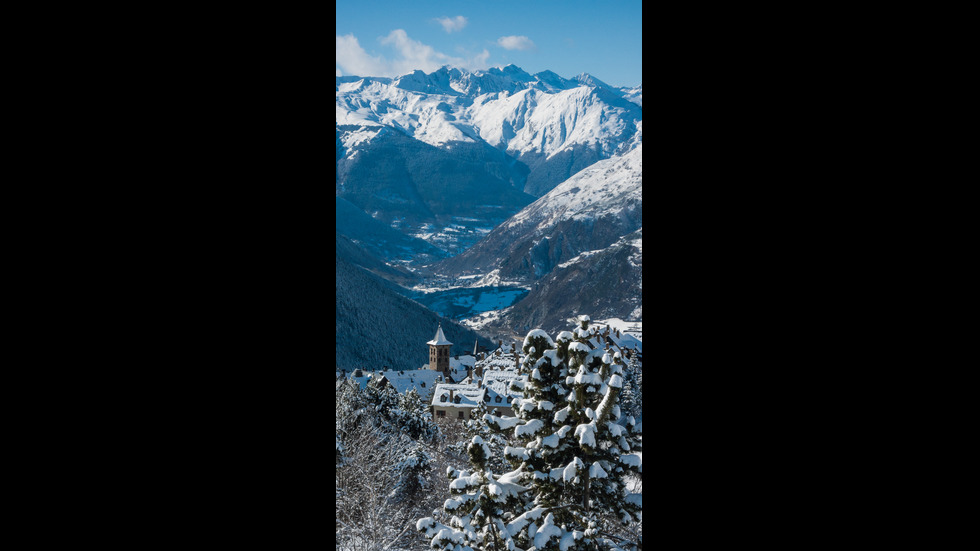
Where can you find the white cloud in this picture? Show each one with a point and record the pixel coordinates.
(452, 24)
(353, 60)
(410, 55)
(516, 42)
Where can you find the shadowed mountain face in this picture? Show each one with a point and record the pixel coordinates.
(399, 177)
(355, 254)
(380, 239)
(376, 326)
(447, 156)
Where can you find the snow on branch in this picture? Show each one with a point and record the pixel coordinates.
(529, 428)
(586, 434)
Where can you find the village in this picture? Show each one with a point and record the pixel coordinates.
(454, 385)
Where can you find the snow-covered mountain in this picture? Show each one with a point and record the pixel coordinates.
(634, 94)
(533, 118)
(417, 150)
(588, 212)
(607, 282)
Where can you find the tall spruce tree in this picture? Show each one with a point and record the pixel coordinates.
(575, 450)
(478, 499)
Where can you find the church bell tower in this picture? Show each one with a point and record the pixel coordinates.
(439, 353)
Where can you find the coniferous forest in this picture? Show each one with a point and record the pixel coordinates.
(564, 474)
(398, 327)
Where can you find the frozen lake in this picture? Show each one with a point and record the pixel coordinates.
(466, 302)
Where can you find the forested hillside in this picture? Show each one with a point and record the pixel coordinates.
(378, 327)
(356, 254)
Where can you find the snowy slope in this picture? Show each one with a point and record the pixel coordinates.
(546, 123)
(588, 212)
(634, 94)
(607, 283)
(592, 193)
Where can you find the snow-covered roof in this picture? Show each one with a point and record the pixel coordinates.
(504, 361)
(631, 332)
(459, 369)
(470, 396)
(621, 343)
(440, 338)
(463, 362)
(403, 381)
(498, 382)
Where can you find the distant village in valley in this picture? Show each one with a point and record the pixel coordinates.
(454, 385)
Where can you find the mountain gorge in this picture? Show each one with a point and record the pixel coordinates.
(488, 180)
(447, 156)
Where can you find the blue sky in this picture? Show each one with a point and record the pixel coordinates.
(391, 38)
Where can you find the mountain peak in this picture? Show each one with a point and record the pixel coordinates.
(589, 80)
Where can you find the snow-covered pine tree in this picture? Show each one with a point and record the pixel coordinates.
(577, 447)
(495, 440)
(541, 415)
(411, 470)
(630, 400)
(413, 418)
(478, 499)
(383, 398)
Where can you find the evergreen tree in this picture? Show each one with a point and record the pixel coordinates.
(478, 499)
(630, 399)
(495, 440)
(383, 398)
(576, 449)
(412, 417)
(411, 470)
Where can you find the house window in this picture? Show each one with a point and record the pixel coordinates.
(510, 399)
(456, 399)
(440, 413)
(486, 397)
(497, 399)
(461, 415)
(442, 398)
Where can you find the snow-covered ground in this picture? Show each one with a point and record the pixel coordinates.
(482, 320)
(471, 281)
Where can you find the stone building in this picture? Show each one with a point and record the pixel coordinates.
(439, 353)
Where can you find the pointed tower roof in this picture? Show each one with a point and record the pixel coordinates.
(440, 338)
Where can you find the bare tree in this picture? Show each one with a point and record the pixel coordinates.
(369, 518)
